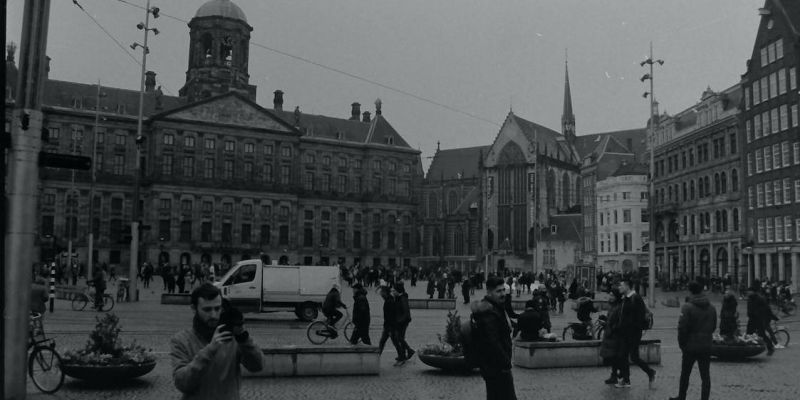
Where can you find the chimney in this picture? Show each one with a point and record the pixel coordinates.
(366, 117)
(378, 104)
(355, 113)
(277, 101)
(149, 81)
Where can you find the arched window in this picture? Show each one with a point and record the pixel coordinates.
(717, 185)
(458, 246)
(724, 182)
(578, 190)
(700, 190)
(707, 185)
(452, 202)
(724, 220)
(565, 188)
(734, 180)
(669, 193)
(717, 221)
(551, 186)
(433, 206)
(208, 47)
(691, 189)
(735, 219)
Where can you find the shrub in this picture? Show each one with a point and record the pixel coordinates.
(449, 343)
(105, 347)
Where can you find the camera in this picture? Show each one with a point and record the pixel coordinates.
(230, 317)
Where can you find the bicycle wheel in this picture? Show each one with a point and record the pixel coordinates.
(782, 336)
(44, 368)
(349, 329)
(108, 302)
(317, 332)
(79, 302)
(569, 332)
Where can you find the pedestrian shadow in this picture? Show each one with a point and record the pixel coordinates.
(456, 372)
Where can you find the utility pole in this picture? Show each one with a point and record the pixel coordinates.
(22, 194)
(134, 267)
(651, 201)
(91, 259)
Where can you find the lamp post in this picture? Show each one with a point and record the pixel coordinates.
(134, 266)
(91, 259)
(651, 204)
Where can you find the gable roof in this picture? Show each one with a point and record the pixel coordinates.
(377, 131)
(545, 137)
(449, 163)
(63, 94)
(599, 144)
(567, 229)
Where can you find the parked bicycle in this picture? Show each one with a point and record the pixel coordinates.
(80, 300)
(319, 332)
(44, 362)
(581, 331)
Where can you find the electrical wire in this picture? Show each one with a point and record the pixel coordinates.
(343, 72)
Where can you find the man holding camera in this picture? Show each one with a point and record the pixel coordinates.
(206, 357)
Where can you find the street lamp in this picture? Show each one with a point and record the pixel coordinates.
(651, 204)
(95, 166)
(139, 140)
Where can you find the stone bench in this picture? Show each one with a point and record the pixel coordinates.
(319, 361)
(432, 304)
(573, 353)
(183, 299)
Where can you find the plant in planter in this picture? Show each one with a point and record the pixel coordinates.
(105, 357)
(448, 354)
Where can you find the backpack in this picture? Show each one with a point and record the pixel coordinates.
(466, 332)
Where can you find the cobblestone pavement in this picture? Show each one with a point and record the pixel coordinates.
(152, 324)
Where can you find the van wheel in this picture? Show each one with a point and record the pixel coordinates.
(307, 311)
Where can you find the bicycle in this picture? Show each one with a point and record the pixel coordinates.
(781, 334)
(44, 362)
(592, 331)
(787, 307)
(80, 300)
(319, 332)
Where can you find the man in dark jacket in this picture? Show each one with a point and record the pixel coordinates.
(696, 325)
(402, 318)
(632, 321)
(465, 290)
(329, 308)
(493, 342)
(759, 315)
(360, 315)
(530, 322)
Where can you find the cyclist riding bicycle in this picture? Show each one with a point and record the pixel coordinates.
(329, 308)
(585, 309)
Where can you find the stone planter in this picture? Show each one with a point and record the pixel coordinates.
(107, 373)
(445, 363)
(736, 352)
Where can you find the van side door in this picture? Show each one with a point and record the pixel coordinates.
(243, 288)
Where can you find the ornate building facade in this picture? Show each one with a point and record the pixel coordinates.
(769, 120)
(698, 186)
(224, 178)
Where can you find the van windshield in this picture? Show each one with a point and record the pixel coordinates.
(246, 273)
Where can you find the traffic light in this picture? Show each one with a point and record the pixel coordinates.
(64, 161)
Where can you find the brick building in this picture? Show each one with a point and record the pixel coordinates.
(224, 178)
(770, 125)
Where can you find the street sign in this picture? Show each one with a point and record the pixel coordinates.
(64, 161)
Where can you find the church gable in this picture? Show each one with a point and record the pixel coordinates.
(229, 109)
(511, 146)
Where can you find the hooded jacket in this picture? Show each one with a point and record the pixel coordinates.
(696, 325)
(402, 311)
(492, 337)
(360, 308)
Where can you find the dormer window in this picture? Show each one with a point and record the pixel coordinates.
(339, 135)
(122, 109)
(389, 140)
(553, 229)
(77, 102)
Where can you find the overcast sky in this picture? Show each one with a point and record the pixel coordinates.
(478, 57)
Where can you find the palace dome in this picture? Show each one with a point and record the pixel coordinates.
(221, 8)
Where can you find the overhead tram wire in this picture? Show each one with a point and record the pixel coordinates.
(345, 73)
(115, 39)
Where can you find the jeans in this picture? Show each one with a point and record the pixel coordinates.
(630, 350)
(361, 332)
(404, 348)
(500, 386)
(703, 363)
(389, 333)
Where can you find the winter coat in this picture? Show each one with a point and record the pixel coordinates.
(758, 311)
(207, 372)
(360, 308)
(697, 324)
(332, 301)
(431, 289)
(530, 322)
(631, 316)
(402, 316)
(492, 337)
(389, 312)
(728, 317)
(611, 344)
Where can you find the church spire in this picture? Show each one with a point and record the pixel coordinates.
(567, 117)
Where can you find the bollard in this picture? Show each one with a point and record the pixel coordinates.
(52, 286)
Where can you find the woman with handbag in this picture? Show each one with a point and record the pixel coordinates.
(610, 345)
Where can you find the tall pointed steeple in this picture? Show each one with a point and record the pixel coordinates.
(567, 117)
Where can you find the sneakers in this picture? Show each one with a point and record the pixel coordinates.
(611, 381)
(623, 383)
(779, 346)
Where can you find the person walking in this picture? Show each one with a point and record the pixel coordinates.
(696, 324)
(431, 288)
(759, 315)
(360, 315)
(99, 282)
(611, 344)
(402, 320)
(632, 323)
(465, 288)
(492, 338)
(206, 358)
(389, 330)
